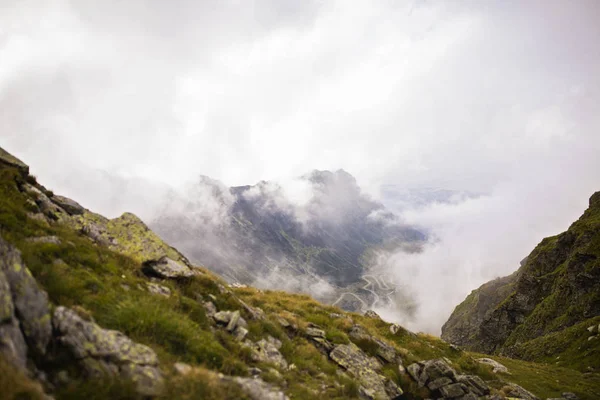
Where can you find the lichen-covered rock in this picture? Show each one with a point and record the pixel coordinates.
(12, 343)
(106, 352)
(514, 390)
(29, 301)
(315, 332)
(267, 350)
(258, 389)
(210, 308)
(70, 206)
(364, 369)
(475, 384)
(166, 268)
(46, 206)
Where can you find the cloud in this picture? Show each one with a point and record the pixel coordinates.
(492, 97)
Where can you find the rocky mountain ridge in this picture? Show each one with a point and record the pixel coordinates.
(543, 310)
(98, 308)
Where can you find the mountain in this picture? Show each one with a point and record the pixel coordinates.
(100, 308)
(398, 198)
(548, 310)
(321, 245)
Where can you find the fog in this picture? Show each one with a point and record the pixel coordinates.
(118, 104)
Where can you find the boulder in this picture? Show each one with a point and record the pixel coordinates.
(475, 384)
(102, 352)
(267, 350)
(210, 308)
(183, 368)
(372, 314)
(70, 206)
(29, 302)
(438, 383)
(453, 391)
(514, 390)
(257, 389)
(496, 366)
(315, 332)
(12, 343)
(166, 268)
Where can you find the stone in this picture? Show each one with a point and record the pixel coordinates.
(70, 206)
(210, 308)
(240, 333)
(474, 383)
(155, 288)
(166, 268)
(12, 342)
(414, 370)
(253, 371)
(438, 383)
(386, 352)
(315, 332)
(592, 329)
(514, 390)
(267, 350)
(570, 396)
(357, 332)
(223, 317)
(257, 389)
(255, 312)
(453, 391)
(395, 328)
(29, 302)
(496, 366)
(102, 352)
(437, 368)
(182, 368)
(233, 321)
(97, 233)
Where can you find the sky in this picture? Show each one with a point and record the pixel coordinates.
(495, 97)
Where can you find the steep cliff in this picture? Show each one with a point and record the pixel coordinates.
(542, 311)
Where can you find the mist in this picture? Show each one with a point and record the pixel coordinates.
(124, 106)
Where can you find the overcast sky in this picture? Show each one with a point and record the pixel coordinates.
(494, 96)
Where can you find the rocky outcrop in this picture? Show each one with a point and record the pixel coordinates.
(70, 206)
(166, 268)
(102, 352)
(496, 366)
(553, 290)
(31, 339)
(365, 369)
(443, 381)
(267, 350)
(12, 161)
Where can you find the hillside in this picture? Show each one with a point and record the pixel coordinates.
(259, 235)
(104, 309)
(547, 310)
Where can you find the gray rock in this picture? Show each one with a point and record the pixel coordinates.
(155, 288)
(496, 366)
(166, 268)
(453, 391)
(233, 321)
(438, 383)
(474, 383)
(386, 352)
(570, 396)
(70, 206)
(592, 329)
(268, 351)
(240, 333)
(223, 317)
(514, 390)
(257, 389)
(395, 328)
(29, 301)
(102, 352)
(414, 370)
(210, 308)
(437, 368)
(315, 332)
(255, 312)
(182, 368)
(12, 342)
(97, 233)
(357, 332)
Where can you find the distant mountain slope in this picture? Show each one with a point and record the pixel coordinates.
(542, 311)
(272, 240)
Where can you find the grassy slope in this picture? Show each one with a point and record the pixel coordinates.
(110, 286)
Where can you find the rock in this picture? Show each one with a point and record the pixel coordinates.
(570, 396)
(268, 351)
(514, 390)
(437, 368)
(257, 389)
(392, 389)
(44, 239)
(455, 347)
(283, 322)
(29, 302)
(97, 233)
(592, 338)
(386, 352)
(233, 321)
(592, 329)
(357, 332)
(254, 371)
(9, 159)
(438, 383)
(474, 383)
(255, 312)
(12, 343)
(70, 206)
(166, 268)
(182, 368)
(395, 328)
(496, 366)
(155, 288)
(414, 370)
(315, 332)
(372, 314)
(44, 203)
(240, 333)
(364, 369)
(210, 308)
(453, 391)
(102, 352)
(223, 317)
(335, 315)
